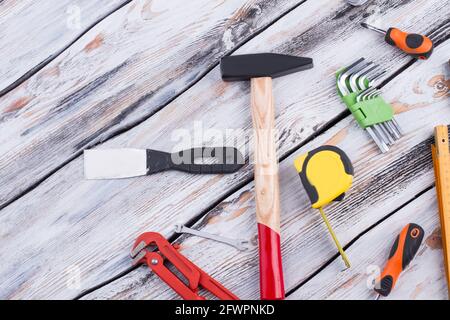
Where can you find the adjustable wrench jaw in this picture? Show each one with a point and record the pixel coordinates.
(153, 249)
(140, 252)
(140, 243)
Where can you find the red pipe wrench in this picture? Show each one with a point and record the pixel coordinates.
(153, 249)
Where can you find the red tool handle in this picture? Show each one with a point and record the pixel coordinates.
(267, 190)
(156, 263)
(413, 44)
(402, 252)
(194, 278)
(216, 288)
(270, 267)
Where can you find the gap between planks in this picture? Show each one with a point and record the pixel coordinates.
(135, 123)
(156, 110)
(37, 181)
(319, 132)
(423, 278)
(356, 238)
(53, 56)
(196, 211)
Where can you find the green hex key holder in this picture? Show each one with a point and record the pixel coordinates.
(355, 85)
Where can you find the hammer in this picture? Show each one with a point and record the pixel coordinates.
(260, 69)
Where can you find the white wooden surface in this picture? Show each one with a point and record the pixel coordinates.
(424, 278)
(118, 74)
(382, 184)
(114, 77)
(33, 32)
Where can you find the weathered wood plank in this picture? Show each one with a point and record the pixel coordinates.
(90, 224)
(382, 184)
(33, 32)
(423, 279)
(120, 72)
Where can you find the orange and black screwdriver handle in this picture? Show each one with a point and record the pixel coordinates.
(402, 252)
(416, 45)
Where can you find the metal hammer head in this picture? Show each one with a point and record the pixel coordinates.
(247, 66)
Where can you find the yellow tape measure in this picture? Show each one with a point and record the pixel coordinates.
(326, 174)
(441, 160)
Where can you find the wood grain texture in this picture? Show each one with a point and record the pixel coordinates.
(34, 32)
(266, 161)
(424, 278)
(87, 226)
(382, 184)
(267, 189)
(441, 161)
(118, 74)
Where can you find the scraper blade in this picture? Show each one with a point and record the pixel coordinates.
(114, 163)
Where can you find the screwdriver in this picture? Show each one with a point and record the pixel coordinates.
(402, 252)
(416, 45)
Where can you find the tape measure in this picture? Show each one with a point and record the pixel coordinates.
(441, 160)
(326, 174)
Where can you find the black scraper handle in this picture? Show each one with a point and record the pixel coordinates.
(226, 160)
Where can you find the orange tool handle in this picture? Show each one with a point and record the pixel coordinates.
(413, 44)
(402, 252)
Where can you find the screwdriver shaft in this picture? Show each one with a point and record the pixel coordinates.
(368, 26)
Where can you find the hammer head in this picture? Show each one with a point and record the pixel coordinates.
(247, 66)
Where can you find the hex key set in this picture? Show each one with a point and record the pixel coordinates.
(326, 173)
(356, 86)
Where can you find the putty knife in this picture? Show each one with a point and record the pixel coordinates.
(125, 163)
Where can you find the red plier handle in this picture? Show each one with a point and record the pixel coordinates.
(196, 277)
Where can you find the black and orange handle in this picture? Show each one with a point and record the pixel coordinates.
(402, 252)
(416, 45)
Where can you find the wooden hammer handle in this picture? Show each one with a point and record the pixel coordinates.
(267, 189)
